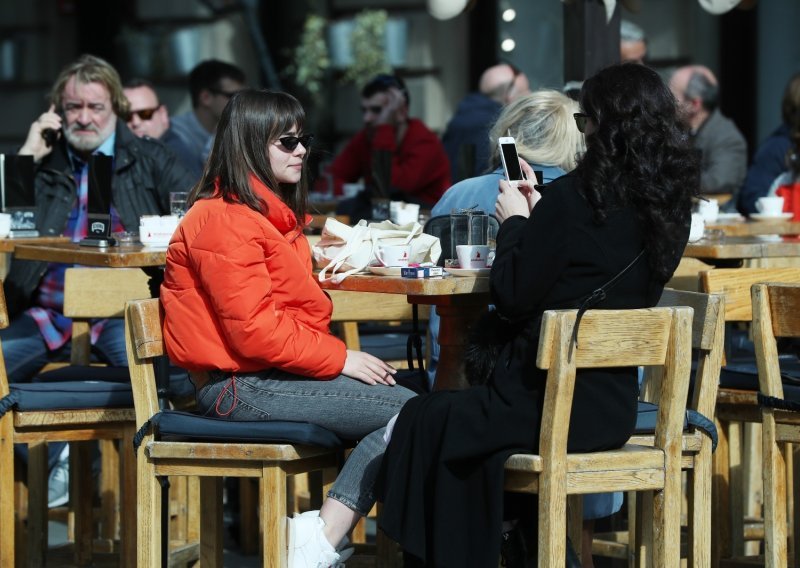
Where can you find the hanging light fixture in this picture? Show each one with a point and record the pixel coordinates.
(447, 9)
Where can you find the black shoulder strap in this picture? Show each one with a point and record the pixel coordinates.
(596, 297)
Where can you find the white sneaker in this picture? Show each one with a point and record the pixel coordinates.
(308, 547)
(58, 481)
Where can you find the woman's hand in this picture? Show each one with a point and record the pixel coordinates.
(520, 200)
(368, 369)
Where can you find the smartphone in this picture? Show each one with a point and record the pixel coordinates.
(508, 154)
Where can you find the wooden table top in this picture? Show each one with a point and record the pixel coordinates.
(745, 227)
(445, 286)
(744, 247)
(123, 256)
(8, 245)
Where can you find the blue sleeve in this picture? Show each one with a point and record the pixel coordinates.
(769, 163)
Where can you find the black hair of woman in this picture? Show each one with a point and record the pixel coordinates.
(639, 154)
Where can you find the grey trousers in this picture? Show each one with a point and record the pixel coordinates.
(349, 408)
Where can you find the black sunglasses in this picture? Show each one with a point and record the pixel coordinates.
(291, 142)
(144, 114)
(580, 121)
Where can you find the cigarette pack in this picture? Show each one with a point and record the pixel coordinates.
(421, 271)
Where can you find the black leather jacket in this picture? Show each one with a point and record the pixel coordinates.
(145, 172)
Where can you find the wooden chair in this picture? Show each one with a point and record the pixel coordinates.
(736, 465)
(88, 293)
(608, 338)
(708, 341)
(158, 456)
(776, 313)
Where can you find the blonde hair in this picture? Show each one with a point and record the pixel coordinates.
(544, 130)
(92, 69)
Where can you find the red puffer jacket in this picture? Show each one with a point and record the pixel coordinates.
(239, 295)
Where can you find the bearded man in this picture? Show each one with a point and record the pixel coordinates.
(87, 115)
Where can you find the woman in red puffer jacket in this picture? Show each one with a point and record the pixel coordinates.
(245, 315)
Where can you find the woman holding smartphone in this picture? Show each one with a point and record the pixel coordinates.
(246, 317)
(627, 203)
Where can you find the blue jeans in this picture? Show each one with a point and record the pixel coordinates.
(351, 409)
(25, 351)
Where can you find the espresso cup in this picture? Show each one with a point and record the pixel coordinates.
(770, 206)
(708, 209)
(472, 256)
(393, 255)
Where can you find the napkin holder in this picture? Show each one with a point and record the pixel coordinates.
(99, 202)
(17, 194)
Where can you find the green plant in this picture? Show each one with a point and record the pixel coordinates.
(310, 59)
(368, 45)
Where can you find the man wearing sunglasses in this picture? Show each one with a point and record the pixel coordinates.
(211, 83)
(148, 117)
(420, 170)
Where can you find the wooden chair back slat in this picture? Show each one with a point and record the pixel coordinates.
(784, 305)
(775, 314)
(102, 292)
(604, 338)
(735, 284)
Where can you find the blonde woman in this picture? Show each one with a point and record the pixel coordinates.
(546, 137)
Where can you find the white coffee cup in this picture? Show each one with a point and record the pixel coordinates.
(770, 206)
(402, 213)
(697, 229)
(5, 224)
(472, 256)
(394, 255)
(708, 209)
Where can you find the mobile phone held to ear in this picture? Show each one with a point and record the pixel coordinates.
(508, 154)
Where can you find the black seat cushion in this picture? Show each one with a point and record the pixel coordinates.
(70, 395)
(184, 426)
(179, 383)
(648, 413)
(744, 374)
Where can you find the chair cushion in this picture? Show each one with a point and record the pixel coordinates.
(648, 413)
(69, 395)
(179, 383)
(744, 374)
(185, 426)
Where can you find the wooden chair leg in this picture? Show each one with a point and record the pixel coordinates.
(272, 505)
(37, 503)
(248, 519)
(700, 510)
(575, 522)
(81, 486)
(128, 495)
(110, 499)
(552, 521)
(20, 516)
(148, 513)
(752, 466)
(7, 506)
(193, 509)
(775, 552)
(211, 521)
(735, 454)
(720, 497)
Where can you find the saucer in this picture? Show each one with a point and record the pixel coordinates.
(385, 270)
(468, 271)
(763, 217)
(727, 217)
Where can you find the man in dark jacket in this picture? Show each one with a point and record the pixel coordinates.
(86, 116)
(466, 138)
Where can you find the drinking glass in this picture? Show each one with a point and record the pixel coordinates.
(177, 203)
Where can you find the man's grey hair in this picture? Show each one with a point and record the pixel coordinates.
(628, 31)
(701, 87)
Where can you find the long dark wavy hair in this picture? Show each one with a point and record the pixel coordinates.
(251, 121)
(639, 156)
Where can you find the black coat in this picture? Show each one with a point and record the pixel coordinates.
(145, 172)
(442, 475)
